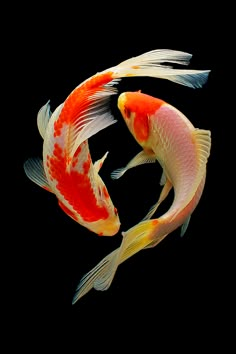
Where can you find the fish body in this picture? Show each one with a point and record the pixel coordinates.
(73, 177)
(167, 136)
(67, 169)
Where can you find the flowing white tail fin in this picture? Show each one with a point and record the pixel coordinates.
(155, 63)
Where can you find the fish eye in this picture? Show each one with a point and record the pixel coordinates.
(127, 112)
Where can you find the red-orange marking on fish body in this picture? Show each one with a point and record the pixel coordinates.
(87, 165)
(66, 210)
(79, 149)
(57, 151)
(79, 100)
(105, 192)
(79, 194)
(75, 161)
(75, 187)
(76, 155)
(57, 128)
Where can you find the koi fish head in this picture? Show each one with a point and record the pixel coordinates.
(127, 109)
(109, 223)
(136, 107)
(108, 227)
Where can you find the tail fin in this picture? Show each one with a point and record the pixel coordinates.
(151, 64)
(134, 240)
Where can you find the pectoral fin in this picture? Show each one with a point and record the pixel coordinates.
(163, 179)
(185, 226)
(202, 141)
(140, 159)
(35, 172)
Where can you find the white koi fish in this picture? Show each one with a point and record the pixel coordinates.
(167, 136)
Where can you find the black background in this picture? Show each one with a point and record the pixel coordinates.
(167, 289)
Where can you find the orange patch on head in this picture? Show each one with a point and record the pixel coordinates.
(141, 103)
(140, 106)
(141, 127)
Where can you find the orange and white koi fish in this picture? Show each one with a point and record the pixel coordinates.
(67, 169)
(75, 181)
(166, 136)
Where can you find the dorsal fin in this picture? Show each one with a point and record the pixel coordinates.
(203, 144)
(95, 117)
(202, 140)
